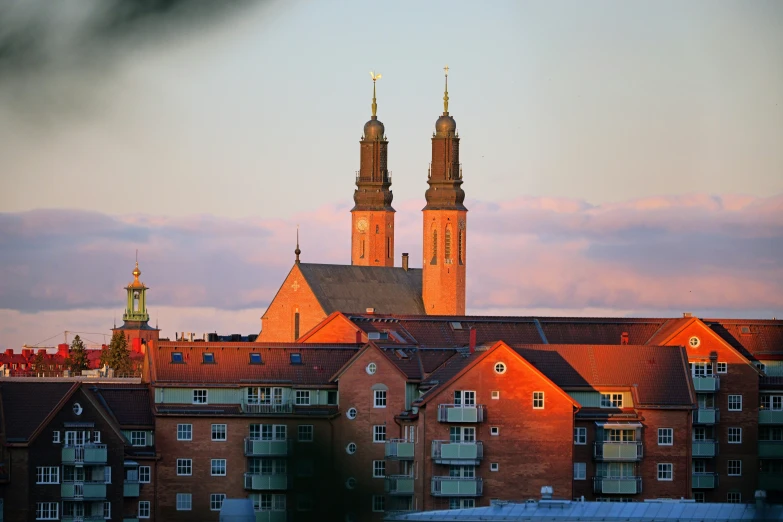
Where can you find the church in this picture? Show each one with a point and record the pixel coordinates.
(371, 283)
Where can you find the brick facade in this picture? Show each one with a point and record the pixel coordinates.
(294, 299)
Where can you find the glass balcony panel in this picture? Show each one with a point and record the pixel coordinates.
(456, 487)
(445, 452)
(267, 448)
(704, 480)
(259, 482)
(770, 416)
(706, 383)
(771, 449)
(617, 485)
(771, 481)
(456, 413)
(130, 489)
(271, 516)
(399, 449)
(399, 485)
(704, 448)
(706, 416)
(620, 451)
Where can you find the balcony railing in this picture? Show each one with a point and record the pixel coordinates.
(704, 448)
(704, 480)
(83, 490)
(267, 448)
(283, 407)
(266, 482)
(617, 485)
(706, 416)
(770, 416)
(456, 487)
(84, 454)
(399, 449)
(628, 451)
(399, 484)
(466, 453)
(130, 488)
(771, 481)
(706, 383)
(90, 518)
(771, 449)
(460, 413)
(272, 515)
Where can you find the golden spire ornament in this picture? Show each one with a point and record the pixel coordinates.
(446, 92)
(375, 77)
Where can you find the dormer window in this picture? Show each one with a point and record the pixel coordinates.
(745, 329)
(208, 358)
(296, 358)
(255, 358)
(176, 357)
(374, 336)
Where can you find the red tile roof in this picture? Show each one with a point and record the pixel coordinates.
(575, 330)
(758, 339)
(232, 363)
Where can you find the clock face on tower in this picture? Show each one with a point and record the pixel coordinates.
(361, 225)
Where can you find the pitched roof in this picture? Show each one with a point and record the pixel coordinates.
(232, 363)
(758, 339)
(350, 288)
(130, 404)
(27, 404)
(598, 330)
(659, 373)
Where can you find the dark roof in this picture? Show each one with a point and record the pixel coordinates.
(598, 330)
(128, 403)
(27, 404)
(232, 362)
(757, 339)
(135, 325)
(348, 288)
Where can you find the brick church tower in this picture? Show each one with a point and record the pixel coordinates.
(372, 223)
(135, 320)
(443, 264)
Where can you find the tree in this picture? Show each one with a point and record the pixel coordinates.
(77, 357)
(117, 356)
(39, 361)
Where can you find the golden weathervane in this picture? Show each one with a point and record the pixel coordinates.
(375, 77)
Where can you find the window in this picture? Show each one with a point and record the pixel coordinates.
(350, 483)
(107, 474)
(331, 397)
(350, 449)
(494, 466)
(462, 471)
(176, 357)
(208, 358)
(144, 509)
(500, 368)
(538, 400)
(184, 466)
(199, 396)
(144, 474)
(107, 510)
(665, 436)
(48, 475)
(772, 402)
(378, 468)
(611, 400)
(378, 503)
(735, 468)
(734, 497)
(694, 342)
(665, 471)
(255, 358)
(701, 369)
(735, 435)
(56, 437)
(580, 436)
(723, 367)
(302, 397)
(735, 402)
(96, 437)
(184, 432)
(218, 467)
(351, 413)
(495, 394)
(698, 496)
(494, 431)
(47, 511)
(268, 432)
(380, 398)
(138, 438)
(296, 358)
(184, 501)
(219, 432)
(464, 398)
(461, 503)
(379, 433)
(305, 433)
(580, 470)
(462, 434)
(216, 501)
(618, 435)
(372, 368)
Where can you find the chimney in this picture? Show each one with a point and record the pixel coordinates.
(9, 351)
(624, 338)
(41, 351)
(358, 337)
(687, 314)
(405, 261)
(62, 350)
(370, 310)
(26, 353)
(472, 344)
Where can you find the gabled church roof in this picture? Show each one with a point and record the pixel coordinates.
(349, 288)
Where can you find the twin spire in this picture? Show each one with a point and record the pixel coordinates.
(377, 76)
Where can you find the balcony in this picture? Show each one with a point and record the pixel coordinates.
(617, 485)
(466, 453)
(130, 488)
(707, 383)
(85, 454)
(771, 449)
(267, 448)
(628, 451)
(399, 485)
(267, 409)
(456, 487)
(90, 518)
(770, 481)
(83, 490)
(706, 416)
(704, 448)
(704, 480)
(459, 413)
(266, 482)
(399, 449)
(130, 519)
(271, 516)
(770, 416)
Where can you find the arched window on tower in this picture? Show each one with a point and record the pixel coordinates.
(377, 229)
(447, 245)
(135, 301)
(296, 324)
(461, 246)
(361, 249)
(434, 260)
(388, 248)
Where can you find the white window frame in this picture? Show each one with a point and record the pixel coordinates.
(495, 395)
(185, 432)
(538, 400)
(306, 435)
(47, 475)
(734, 463)
(494, 466)
(184, 502)
(56, 437)
(722, 367)
(145, 508)
(145, 471)
(580, 470)
(216, 432)
(219, 465)
(378, 503)
(96, 437)
(664, 435)
(184, 465)
(665, 471)
(302, 397)
(380, 398)
(730, 499)
(735, 399)
(612, 400)
(107, 510)
(216, 499)
(580, 434)
(137, 435)
(47, 511)
(379, 433)
(200, 396)
(351, 413)
(734, 435)
(378, 468)
(494, 431)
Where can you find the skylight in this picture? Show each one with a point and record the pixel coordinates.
(296, 358)
(208, 358)
(456, 326)
(255, 358)
(377, 335)
(176, 357)
(745, 329)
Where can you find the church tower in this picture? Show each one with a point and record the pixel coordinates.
(445, 224)
(135, 319)
(372, 217)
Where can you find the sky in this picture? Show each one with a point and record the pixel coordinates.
(619, 158)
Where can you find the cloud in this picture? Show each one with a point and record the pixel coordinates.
(661, 255)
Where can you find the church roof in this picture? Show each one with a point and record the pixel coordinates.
(348, 288)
